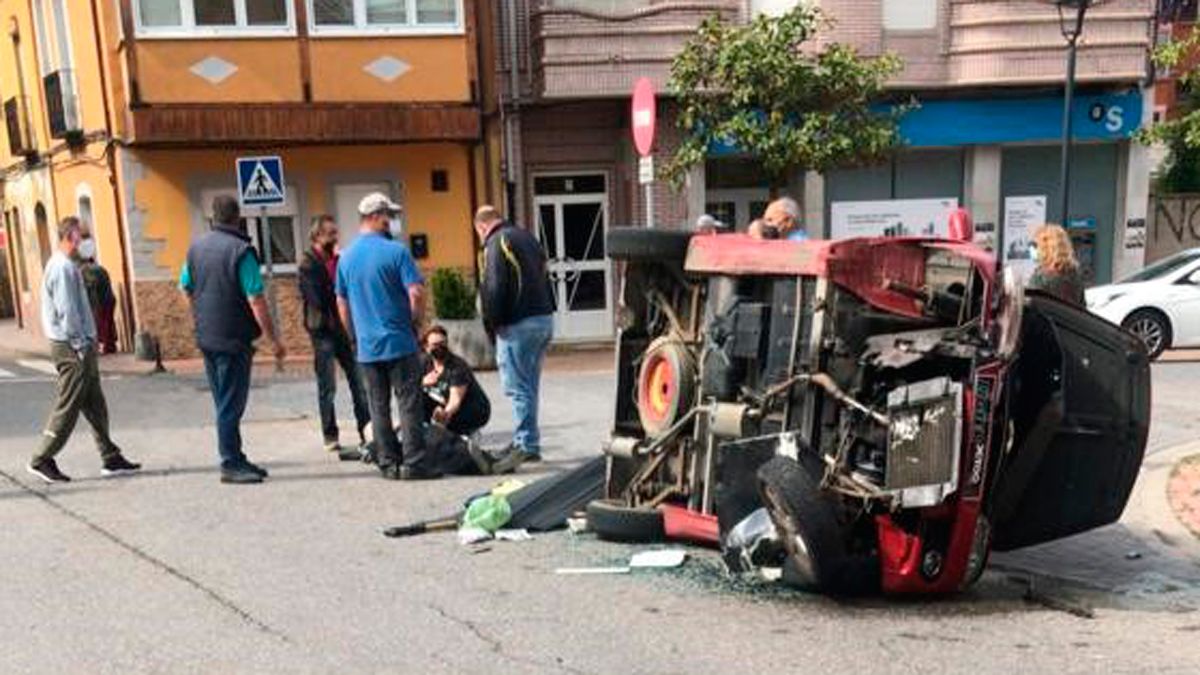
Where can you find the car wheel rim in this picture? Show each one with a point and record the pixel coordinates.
(658, 389)
(1149, 332)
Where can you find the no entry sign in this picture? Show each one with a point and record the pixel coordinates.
(643, 115)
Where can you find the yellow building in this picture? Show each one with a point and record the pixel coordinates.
(132, 114)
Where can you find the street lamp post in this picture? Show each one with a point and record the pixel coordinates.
(1071, 32)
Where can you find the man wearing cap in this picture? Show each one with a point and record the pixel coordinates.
(380, 296)
(225, 287)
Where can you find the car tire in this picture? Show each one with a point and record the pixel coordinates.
(637, 243)
(808, 525)
(1151, 327)
(613, 520)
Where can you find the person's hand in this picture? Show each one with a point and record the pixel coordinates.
(430, 379)
(441, 416)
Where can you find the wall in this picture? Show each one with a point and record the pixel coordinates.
(162, 189)
(1174, 226)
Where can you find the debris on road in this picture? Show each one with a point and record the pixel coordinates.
(592, 570)
(662, 559)
(511, 534)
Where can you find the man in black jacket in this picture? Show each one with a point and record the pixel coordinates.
(331, 344)
(518, 308)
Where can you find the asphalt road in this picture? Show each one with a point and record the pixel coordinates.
(171, 571)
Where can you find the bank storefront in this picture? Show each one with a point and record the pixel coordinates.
(1000, 158)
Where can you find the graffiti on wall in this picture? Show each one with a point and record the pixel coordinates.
(1174, 226)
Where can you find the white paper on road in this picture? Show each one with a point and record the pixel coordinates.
(665, 558)
(891, 218)
(1022, 215)
(6, 374)
(513, 535)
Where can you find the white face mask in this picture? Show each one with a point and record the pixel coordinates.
(395, 227)
(87, 249)
(1033, 254)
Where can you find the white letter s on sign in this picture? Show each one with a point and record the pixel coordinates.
(1115, 119)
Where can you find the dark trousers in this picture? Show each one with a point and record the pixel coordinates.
(229, 379)
(329, 352)
(403, 377)
(460, 424)
(78, 392)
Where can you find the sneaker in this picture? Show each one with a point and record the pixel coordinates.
(240, 476)
(390, 471)
(531, 457)
(48, 471)
(256, 469)
(350, 454)
(507, 460)
(484, 461)
(333, 446)
(118, 465)
(413, 473)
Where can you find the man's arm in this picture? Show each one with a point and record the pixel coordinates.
(416, 301)
(344, 314)
(250, 278)
(494, 287)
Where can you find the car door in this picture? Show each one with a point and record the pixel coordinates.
(1182, 303)
(1079, 415)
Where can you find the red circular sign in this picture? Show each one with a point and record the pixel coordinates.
(643, 115)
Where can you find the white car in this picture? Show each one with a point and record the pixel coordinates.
(1160, 304)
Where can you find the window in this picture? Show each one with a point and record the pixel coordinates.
(910, 14)
(333, 16)
(213, 17)
(281, 228)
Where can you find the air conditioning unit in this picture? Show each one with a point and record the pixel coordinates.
(62, 109)
(16, 122)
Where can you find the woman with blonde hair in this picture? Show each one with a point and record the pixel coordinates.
(1057, 269)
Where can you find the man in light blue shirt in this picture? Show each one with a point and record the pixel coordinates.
(68, 324)
(380, 296)
(781, 220)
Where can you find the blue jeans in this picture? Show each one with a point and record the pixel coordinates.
(229, 379)
(520, 351)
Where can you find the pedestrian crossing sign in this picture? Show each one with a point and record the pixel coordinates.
(260, 181)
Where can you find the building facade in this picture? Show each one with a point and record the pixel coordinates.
(162, 97)
(988, 75)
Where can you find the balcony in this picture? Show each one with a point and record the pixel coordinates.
(585, 48)
(62, 109)
(16, 122)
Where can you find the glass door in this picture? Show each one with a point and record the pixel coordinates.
(572, 228)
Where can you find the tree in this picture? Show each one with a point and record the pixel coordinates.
(1180, 133)
(763, 88)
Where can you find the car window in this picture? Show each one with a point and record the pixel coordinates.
(1163, 267)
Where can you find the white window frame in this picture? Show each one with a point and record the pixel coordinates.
(362, 28)
(290, 209)
(189, 30)
(898, 8)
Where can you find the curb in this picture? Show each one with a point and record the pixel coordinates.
(1150, 508)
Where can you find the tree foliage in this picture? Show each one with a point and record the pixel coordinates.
(1181, 131)
(764, 88)
(453, 297)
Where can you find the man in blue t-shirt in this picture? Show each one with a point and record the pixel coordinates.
(380, 296)
(781, 220)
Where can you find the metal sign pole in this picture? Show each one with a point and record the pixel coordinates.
(264, 229)
(650, 205)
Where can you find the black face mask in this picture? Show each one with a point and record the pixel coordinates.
(440, 352)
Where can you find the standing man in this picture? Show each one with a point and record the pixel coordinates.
(331, 344)
(380, 299)
(225, 286)
(68, 323)
(517, 309)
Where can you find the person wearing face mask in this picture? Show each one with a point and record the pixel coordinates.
(1057, 270)
(100, 295)
(381, 298)
(331, 344)
(68, 323)
(453, 397)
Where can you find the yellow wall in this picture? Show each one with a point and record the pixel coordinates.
(437, 69)
(16, 13)
(162, 194)
(268, 70)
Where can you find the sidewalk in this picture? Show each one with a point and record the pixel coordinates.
(591, 358)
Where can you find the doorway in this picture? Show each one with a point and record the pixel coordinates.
(43, 233)
(346, 197)
(572, 219)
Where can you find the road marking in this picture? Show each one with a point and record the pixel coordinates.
(6, 374)
(40, 365)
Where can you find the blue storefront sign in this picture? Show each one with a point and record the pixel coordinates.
(995, 121)
(1020, 120)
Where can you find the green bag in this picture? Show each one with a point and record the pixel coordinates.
(489, 512)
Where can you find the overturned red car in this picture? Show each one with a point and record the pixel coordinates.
(898, 406)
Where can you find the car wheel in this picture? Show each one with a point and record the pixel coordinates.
(808, 525)
(613, 520)
(666, 385)
(1152, 328)
(636, 243)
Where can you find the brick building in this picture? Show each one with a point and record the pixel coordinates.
(988, 75)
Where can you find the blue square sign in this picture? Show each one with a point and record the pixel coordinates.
(260, 181)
